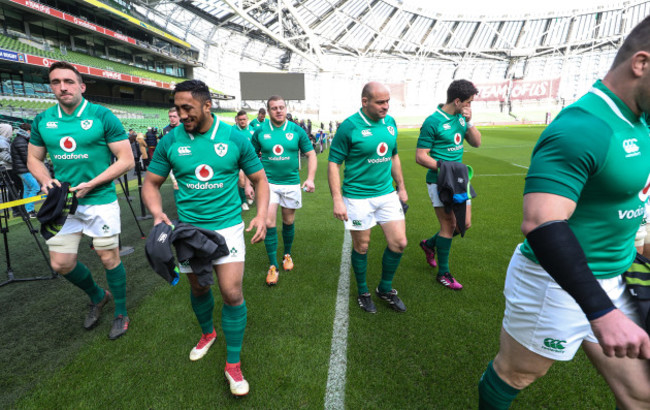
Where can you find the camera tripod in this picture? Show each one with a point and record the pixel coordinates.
(7, 190)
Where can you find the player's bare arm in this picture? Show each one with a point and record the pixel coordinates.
(334, 180)
(398, 177)
(152, 199)
(124, 163)
(312, 163)
(616, 333)
(423, 158)
(35, 157)
(262, 201)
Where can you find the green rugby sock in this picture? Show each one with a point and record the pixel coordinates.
(360, 266)
(233, 323)
(431, 242)
(271, 244)
(493, 392)
(203, 306)
(80, 277)
(443, 246)
(389, 264)
(288, 233)
(116, 279)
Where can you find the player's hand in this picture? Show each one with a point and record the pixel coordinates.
(340, 211)
(249, 191)
(467, 113)
(82, 189)
(621, 337)
(175, 185)
(308, 185)
(161, 218)
(45, 188)
(259, 223)
(402, 195)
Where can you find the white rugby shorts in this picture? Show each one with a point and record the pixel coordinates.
(432, 189)
(288, 196)
(364, 213)
(234, 236)
(544, 318)
(96, 221)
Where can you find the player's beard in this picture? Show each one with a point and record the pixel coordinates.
(200, 123)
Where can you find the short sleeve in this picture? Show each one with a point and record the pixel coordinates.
(340, 147)
(248, 160)
(255, 139)
(35, 138)
(160, 164)
(427, 133)
(305, 143)
(567, 154)
(113, 129)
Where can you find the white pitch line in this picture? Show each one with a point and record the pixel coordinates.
(335, 390)
(498, 175)
(517, 165)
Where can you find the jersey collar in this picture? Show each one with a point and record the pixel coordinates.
(212, 131)
(284, 127)
(367, 120)
(617, 106)
(441, 112)
(79, 110)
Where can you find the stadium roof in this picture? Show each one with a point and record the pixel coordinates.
(404, 29)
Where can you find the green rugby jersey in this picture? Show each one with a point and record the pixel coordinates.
(247, 132)
(255, 124)
(280, 148)
(78, 145)
(596, 153)
(443, 134)
(206, 167)
(367, 147)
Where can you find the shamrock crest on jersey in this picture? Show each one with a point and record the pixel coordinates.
(86, 124)
(221, 149)
(289, 136)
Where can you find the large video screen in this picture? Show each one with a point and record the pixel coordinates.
(260, 86)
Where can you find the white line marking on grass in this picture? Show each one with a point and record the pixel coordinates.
(517, 165)
(335, 390)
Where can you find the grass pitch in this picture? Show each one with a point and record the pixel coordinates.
(430, 357)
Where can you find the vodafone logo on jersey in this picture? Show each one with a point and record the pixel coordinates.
(457, 138)
(278, 149)
(68, 144)
(382, 149)
(643, 194)
(203, 172)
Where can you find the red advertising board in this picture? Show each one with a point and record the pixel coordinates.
(72, 19)
(98, 72)
(518, 90)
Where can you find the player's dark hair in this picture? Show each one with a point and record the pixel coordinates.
(64, 65)
(197, 88)
(262, 111)
(461, 89)
(240, 112)
(273, 98)
(637, 40)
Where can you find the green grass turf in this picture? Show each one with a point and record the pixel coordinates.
(430, 357)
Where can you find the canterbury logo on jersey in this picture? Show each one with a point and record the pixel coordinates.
(366, 133)
(631, 148)
(554, 344)
(446, 126)
(184, 151)
(52, 124)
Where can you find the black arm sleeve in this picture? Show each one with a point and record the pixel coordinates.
(558, 251)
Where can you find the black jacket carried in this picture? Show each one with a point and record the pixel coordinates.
(200, 247)
(19, 154)
(59, 203)
(454, 190)
(158, 250)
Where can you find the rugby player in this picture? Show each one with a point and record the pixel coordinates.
(206, 155)
(279, 143)
(583, 203)
(367, 143)
(441, 139)
(80, 138)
